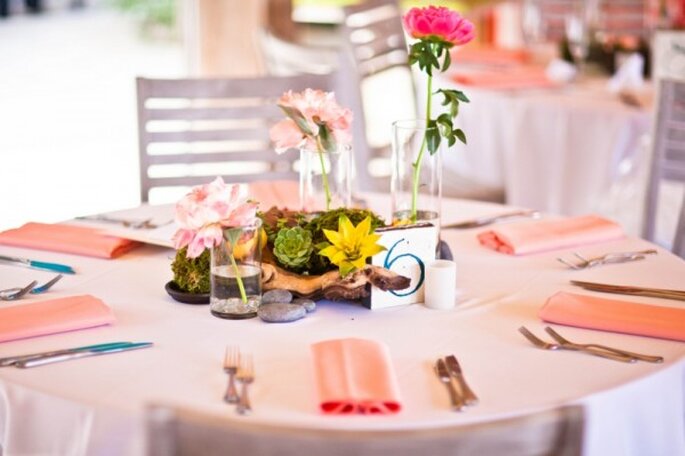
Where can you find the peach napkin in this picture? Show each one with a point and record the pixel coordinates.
(355, 376)
(282, 194)
(544, 235)
(506, 80)
(489, 55)
(627, 317)
(53, 316)
(78, 240)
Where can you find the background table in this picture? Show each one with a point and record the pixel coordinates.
(96, 405)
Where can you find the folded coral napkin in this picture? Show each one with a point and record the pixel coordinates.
(53, 316)
(544, 235)
(506, 80)
(613, 315)
(78, 240)
(490, 55)
(282, 194)
(355, 376)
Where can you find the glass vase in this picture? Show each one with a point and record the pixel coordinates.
(325, 179)
(416, 182)
(236, 273)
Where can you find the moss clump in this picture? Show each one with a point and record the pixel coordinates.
(191, 274)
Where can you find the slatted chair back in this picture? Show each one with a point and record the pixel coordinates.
(379, 83)
(191, 130)
(177, 432)
(668, 159)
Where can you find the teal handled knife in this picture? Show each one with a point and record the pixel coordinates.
(35, 362)
(45, 266)
(11, 360)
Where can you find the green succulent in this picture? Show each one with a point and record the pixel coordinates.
(293, 247)
(191, 274)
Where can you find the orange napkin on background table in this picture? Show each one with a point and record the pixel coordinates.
(506, 80)
(78, 240)
(586, 311)
(53, 316)
(355, 376)
(489, 55)
(282, 194)
(544, 235)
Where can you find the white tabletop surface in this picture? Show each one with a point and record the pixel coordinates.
(96, 405)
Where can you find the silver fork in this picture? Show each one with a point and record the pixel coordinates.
(245, 377)
(559, 338)
(591, 351)
(231, 363)
(12, 294)
(609, 258)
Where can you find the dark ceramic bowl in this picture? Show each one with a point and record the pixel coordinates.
(184, 296)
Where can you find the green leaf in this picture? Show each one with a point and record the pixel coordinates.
(460, 134)
(432, 137)
(327, 139)
(461, 96)
(447, 62)
(299, 119)
(451, 140)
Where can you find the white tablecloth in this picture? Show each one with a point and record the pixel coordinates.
(96, 405)
(558, 150)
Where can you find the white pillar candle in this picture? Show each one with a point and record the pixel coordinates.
(440, 286)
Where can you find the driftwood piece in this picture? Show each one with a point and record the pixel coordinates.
(330, 285)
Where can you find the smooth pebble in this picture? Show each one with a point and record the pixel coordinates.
(281, 312)
(308, 304)
(273, 296)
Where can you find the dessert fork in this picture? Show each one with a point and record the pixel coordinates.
(559, 338)
(609, 258)
(245, 377)
(231, 363)
(12, 294)
(589, 350)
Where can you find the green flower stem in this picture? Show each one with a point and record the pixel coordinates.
(324, 176)
(241, 287)
(417, 164)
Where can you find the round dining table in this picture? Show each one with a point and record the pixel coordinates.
(97, 405)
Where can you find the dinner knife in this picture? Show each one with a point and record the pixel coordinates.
(630, 290)
(456, 399)
(43, 265)
(483, 221)
(81, 354)
(455, 369)
(10, 360)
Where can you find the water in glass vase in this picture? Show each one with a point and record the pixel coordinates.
(226, 300)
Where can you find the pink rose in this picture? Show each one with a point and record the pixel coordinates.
(439, 22)
(202, 214)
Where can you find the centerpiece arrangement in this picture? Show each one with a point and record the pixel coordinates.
(417, 178)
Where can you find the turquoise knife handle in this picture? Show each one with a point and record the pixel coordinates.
(56, 267)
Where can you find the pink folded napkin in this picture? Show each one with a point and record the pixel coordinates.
(613, 315)
(544, 235)
(282, 194)
(53, 316)
(355, 376)
(77, 240)
(506, 80)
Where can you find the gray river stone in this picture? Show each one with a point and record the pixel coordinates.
(308, 304)
(273, 296)
(281, 312)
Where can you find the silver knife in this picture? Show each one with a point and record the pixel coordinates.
(455, 369)
(483, 221)
(443, 374)
(43, 265)
(628, 290)
(10, 360)
(81, 354)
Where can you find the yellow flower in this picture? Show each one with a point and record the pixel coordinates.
(351, 245)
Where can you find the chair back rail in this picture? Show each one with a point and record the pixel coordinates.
(186, 125)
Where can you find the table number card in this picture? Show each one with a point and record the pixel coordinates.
(408, 250)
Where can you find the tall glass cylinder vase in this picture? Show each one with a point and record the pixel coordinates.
(325, 178)
(236, 273)
(416, 183)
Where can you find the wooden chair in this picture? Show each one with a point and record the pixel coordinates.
(668, 159)
(380, 87)
(178, 432)
(191, 130)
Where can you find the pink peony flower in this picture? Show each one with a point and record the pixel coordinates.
(312, 109)
(439, 22)
(205, 211)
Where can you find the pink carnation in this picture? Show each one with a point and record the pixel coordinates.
(315, 108)
(205, 211)
(439, 22)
